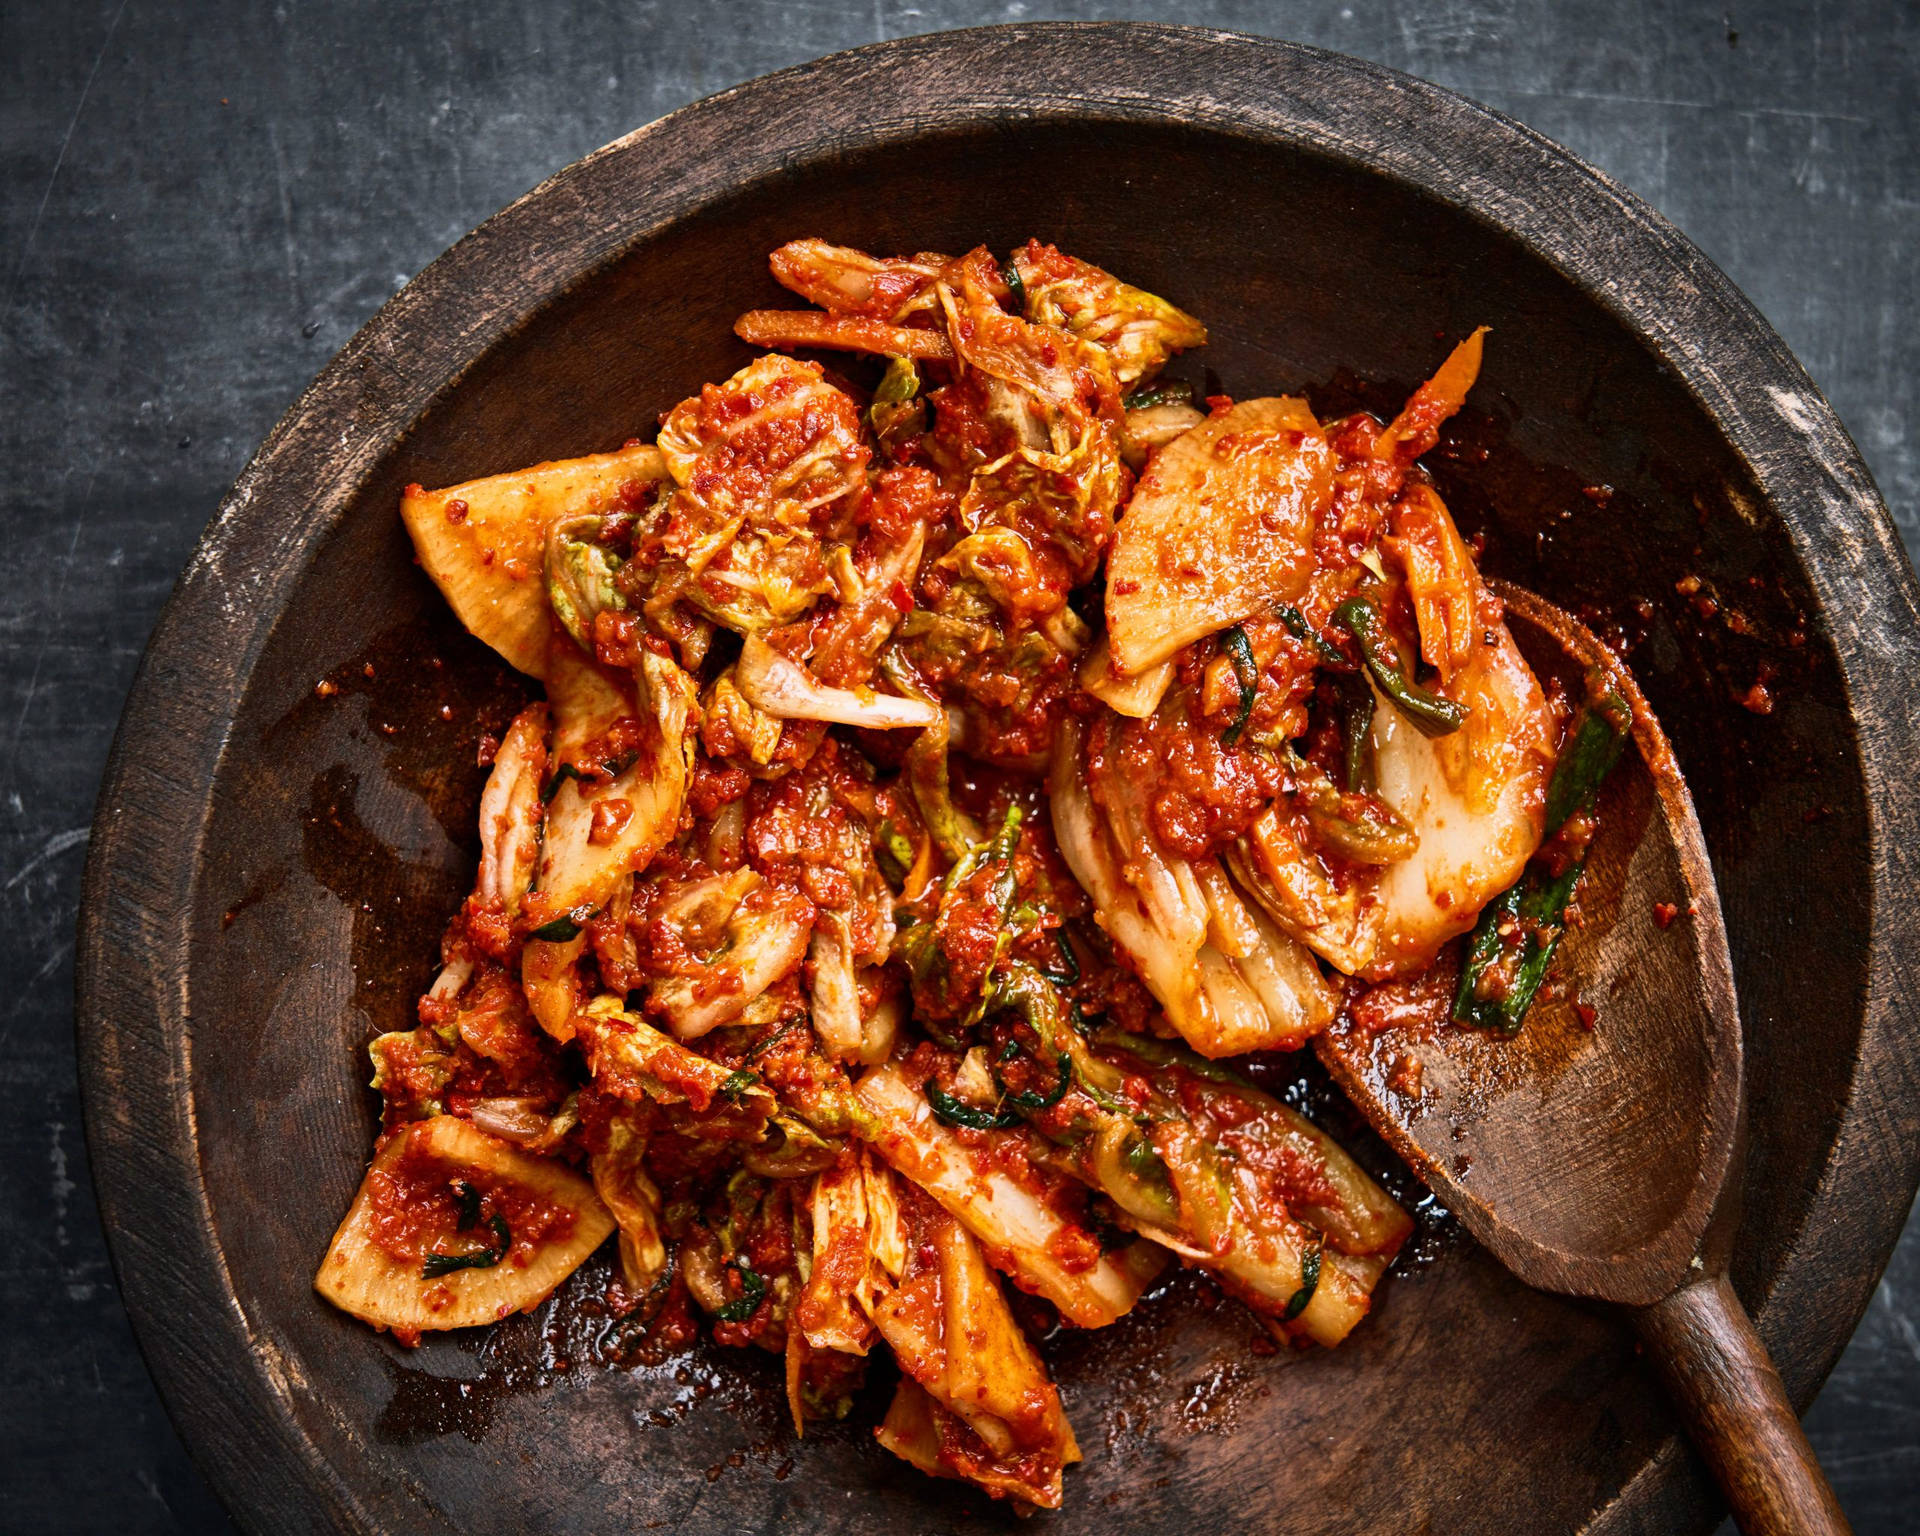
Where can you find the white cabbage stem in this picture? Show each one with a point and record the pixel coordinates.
(781, 687)
(1135, 697)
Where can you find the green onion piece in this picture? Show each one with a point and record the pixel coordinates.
(1165, 1053)
(1533, 912)
(559, 931)
(468, 1199)
(1146, 1172)
(1593, 747)
(1430, 714)
(560, 776)
(438, 1264)
(973, 855)
(1010, 275)
(1295, 623)
(774, 1036)
(920, 944)
(752, 1288)
(1246, 674)
(1533, 909)
(1356, 725)
(1063, 1066)
(1484, 947)
(1007, 838)
(953, 831)
(1359, 827)
(1006, 884)
(1069, 971)
(1309, 1283)
(1171, 392)
(737, 1083)
(958, 1112)
(1143, 1162)
(1023, 990)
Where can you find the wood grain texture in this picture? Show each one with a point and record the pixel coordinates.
(1738, 1415)
(1593, 1160)
(227, 1036)
(197, 213)
(1588, 1157)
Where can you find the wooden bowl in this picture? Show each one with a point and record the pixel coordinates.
(271, 869)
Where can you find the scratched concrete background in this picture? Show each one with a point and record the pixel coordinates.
(200, 203)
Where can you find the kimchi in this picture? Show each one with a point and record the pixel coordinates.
(959, 747)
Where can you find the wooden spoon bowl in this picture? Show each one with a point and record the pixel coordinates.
(1587, 1156)
(1589, 1152)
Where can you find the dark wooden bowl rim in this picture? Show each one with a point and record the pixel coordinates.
(225, 1385)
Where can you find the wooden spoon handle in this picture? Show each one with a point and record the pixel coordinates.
(1737, 1412)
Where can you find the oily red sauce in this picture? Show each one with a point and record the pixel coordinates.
(716, 784)
(609, 820)
(1202, 792)
(763, 1239)
(1421, 1003)
(668, 1073)
(617, 639)
(483, 1046)
(1015, 685)
(904, 496)
(493, 1022)
(1287, 1174)
(414, 1209)
(790, 1065)
(966, 1453)
(751, 437)
(615, 749)
(966, 434)
(488, 928)
(1075, 1249)
(968, 932)
(661, 946)
(799, 831)
(1362, 487)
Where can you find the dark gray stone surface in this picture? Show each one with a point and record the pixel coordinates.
(199, 204)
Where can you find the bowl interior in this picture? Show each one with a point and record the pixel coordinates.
(341, 839)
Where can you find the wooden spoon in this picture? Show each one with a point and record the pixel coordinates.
(1592, 1159)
